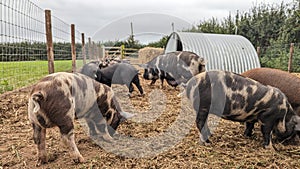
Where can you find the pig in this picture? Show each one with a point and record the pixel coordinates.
(118, 73)
(59, 98)
(234, 97)
(176, 67)
(288, 83)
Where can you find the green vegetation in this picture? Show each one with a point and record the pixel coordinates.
(129, 43)
(271, 27)
(27, 51)
(162, 43)
(18, 74)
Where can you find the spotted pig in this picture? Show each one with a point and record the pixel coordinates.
(176, 67)
(288, 83)
(59, 98)
(236, 98)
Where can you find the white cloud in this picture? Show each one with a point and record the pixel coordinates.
(90, 15)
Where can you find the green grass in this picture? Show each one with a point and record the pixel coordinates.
(14, 75)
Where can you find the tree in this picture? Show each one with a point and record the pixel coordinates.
(264, 25)
(290, 33)
(162, 43)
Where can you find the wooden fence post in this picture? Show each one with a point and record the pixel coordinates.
(50, 53)
(94, 50)
(83, 48)
(73, 48)
(122, 51)
(102, 51)
(290, 66)
(90, 49)
(258, 51)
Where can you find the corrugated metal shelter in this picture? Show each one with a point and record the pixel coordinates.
(233, 53)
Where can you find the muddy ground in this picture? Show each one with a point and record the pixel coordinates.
(229, 148)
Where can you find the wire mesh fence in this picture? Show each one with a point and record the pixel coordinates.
(21, 43)
(23, 46)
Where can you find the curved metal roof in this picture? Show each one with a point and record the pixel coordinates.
(232, 53)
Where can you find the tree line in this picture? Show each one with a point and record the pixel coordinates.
(272, 27)
(28, 51)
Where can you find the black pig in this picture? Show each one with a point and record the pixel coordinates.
(118, 73)
(175, 67)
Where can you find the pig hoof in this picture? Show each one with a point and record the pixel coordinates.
(142, 95)
(269, 147)
(247, 135)
(41, 161)
(205, 143)
(79, 159)
(129, 95)
(107, 138)
(101, 138)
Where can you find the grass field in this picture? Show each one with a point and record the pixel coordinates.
(14, 75)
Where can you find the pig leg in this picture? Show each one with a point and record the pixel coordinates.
(68, 137)
(96, 121)
(152, 82)
(136, 82)
(203, 128)
(249, 128)
(172, 83)
(92, 128)
(103, 129)
(130, 89)
(267, 136)
(39, 136)
(162, 82)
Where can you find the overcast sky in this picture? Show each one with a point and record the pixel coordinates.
(110, 19)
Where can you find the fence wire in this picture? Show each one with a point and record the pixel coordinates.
(23, 52)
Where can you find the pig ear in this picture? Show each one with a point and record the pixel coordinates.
(127, 115)
(145, 66)
(297, 120)
(203, 61)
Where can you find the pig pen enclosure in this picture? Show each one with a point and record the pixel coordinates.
(229, 148)
(161, 108)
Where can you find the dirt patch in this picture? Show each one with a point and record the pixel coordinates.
(229, 148)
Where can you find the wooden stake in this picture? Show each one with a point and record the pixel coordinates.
(50, 53)
(290, 66)
(83, 48)
(73, 47)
